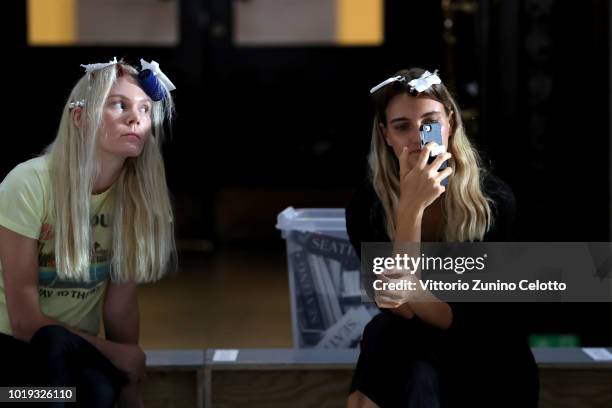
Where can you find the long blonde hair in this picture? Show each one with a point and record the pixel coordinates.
(466, 211)
(143, 246)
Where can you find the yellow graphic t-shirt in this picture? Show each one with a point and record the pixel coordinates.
(25, 196)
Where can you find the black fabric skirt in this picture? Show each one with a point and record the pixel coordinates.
(470, 372)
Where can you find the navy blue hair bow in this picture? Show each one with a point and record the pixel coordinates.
(153, 81)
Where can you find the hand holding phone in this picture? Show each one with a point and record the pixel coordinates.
(432, 132)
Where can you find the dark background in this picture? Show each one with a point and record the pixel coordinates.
(259, 129)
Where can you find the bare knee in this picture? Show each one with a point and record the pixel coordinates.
(358, 400)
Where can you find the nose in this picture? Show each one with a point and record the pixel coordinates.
(133, 117)
(414, 140)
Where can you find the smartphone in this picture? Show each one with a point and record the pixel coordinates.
(432, 132)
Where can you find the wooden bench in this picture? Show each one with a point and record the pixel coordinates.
(174, 379)
(570, 378)
(280, 378)
(320, 378)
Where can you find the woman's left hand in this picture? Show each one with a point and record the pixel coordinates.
(404, 310)
(394, 298)
(130, 397)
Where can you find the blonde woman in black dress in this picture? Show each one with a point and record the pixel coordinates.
(434, 354)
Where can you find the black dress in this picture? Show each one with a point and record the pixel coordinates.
(482, 360)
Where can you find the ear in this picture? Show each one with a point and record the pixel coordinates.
(75, 114)
(383, 132)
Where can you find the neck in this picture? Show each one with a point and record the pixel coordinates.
(110, 169)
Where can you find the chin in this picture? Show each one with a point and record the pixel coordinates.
(127, 154)
(133, 154)
(131, 151)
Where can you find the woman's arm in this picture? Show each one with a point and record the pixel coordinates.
(428, 308)
(419, 189)
(121, 313)
(121, 324)
(19, 259)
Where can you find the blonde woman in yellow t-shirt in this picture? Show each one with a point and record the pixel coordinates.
(80, 227)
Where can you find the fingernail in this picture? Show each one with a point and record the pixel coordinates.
(404, 149)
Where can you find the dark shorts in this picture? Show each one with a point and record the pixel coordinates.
(56, 357)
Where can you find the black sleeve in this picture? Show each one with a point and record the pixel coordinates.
(468, 317)
(503, 208)
(365, 218)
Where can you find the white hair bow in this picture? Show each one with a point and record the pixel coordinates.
(154, 68)
(426, 80)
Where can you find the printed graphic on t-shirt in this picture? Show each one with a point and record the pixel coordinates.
(50, 285)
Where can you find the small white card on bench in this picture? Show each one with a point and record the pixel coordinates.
(598, 353)
(225, 355)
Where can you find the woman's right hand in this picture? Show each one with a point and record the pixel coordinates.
(420, 186)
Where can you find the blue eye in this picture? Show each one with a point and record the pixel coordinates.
(118, 104)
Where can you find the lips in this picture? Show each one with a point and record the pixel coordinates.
(132, 134)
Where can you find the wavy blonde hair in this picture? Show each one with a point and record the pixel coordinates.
(466, 211)
(143, 248)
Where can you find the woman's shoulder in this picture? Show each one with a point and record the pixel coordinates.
(361, 207)
(503, 205)
(497, 189)
(24, 197)
(33, 173)
(363, 196)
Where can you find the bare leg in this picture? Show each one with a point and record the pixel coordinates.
(358, 400)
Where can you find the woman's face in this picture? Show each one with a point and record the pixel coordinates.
(405, 114)
(126, 120)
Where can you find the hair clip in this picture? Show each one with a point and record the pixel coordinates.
(387, 82)
(154, 82)
(94, 67)
(425, 81)
(76, 104)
